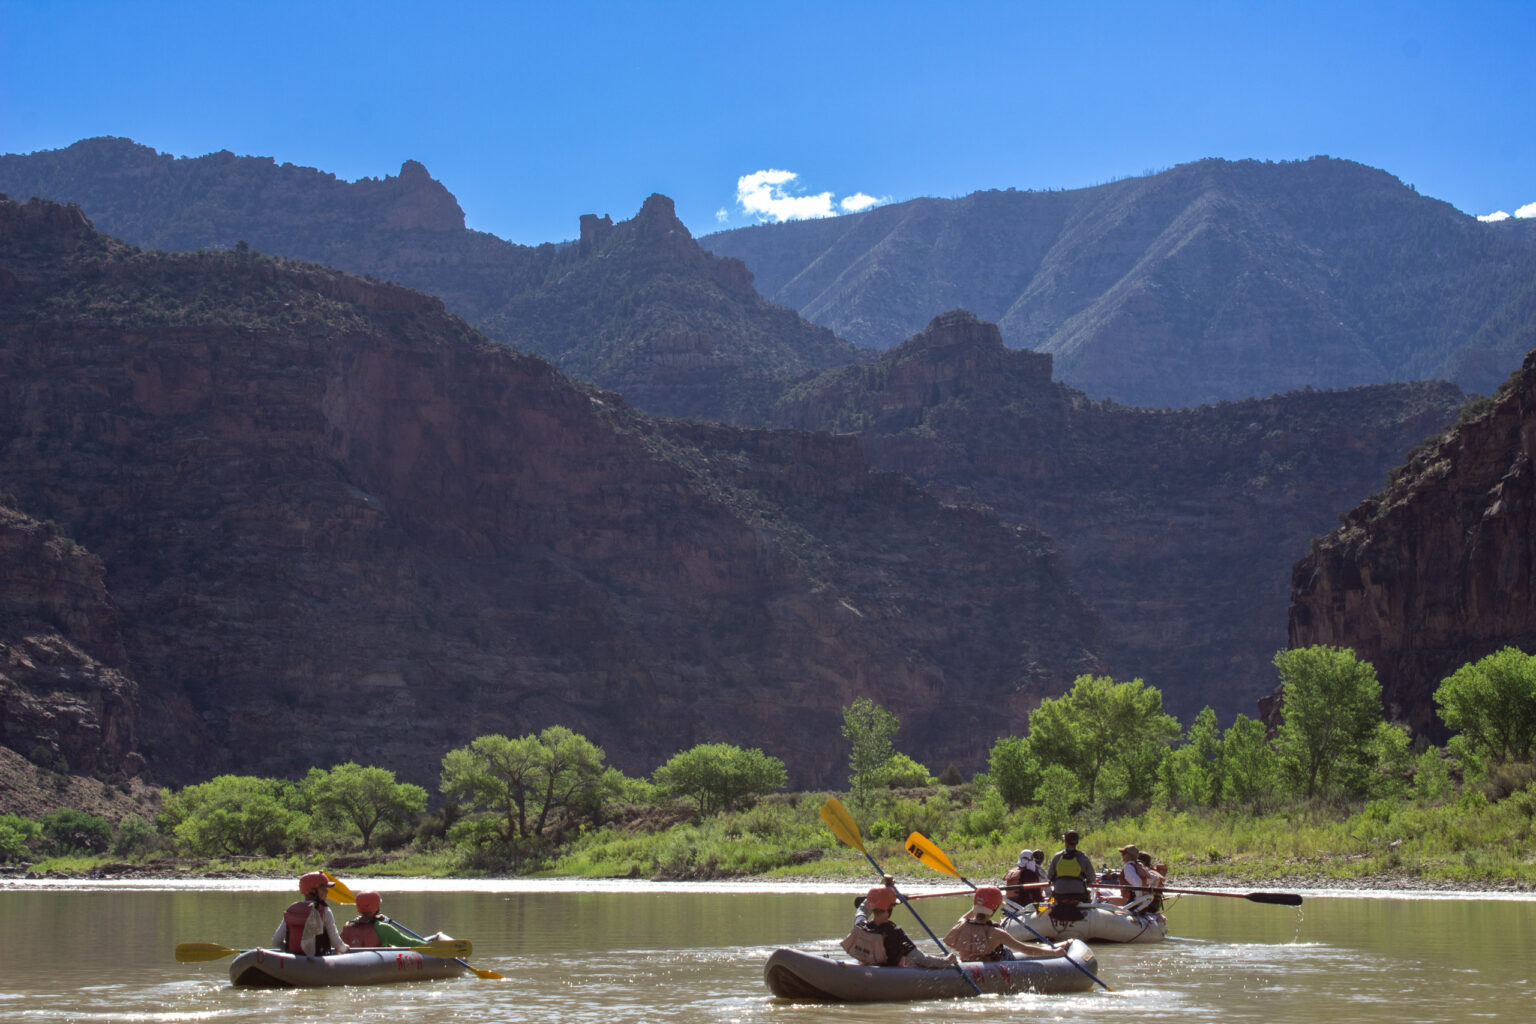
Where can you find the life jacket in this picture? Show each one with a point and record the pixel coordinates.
(866, 947)
(360, 932)
(296, 916)
(1069, 883)
(973, 941)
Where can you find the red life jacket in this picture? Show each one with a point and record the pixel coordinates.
(295, 917)
(360, 932)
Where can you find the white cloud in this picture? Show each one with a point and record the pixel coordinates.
(1527, 211)
(1494, 217)
(721, 216)
(767, 195)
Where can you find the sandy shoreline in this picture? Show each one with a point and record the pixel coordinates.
(1398, 888)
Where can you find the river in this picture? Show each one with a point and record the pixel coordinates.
(611, 952)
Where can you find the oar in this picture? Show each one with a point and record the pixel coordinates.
(968, 892)
(921, 847)
(197, 952)
(1281, 899)
(342, 894)
(847, 831)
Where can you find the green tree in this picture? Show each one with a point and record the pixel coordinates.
(720, 777)
(1331, 707)
(18, 837)
(234, 815)
(1490, 705)
(869, 729)
(1249, 767)
(72, 831)
(365, 798)
(1014, 771)
(902, 771)
(1190, 774)
(525, 782)
(1101, 724)
(1060, 796)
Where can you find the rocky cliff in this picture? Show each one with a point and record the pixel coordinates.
(1179, 527)
(636, 306)
(334, 522)
(1436, 570)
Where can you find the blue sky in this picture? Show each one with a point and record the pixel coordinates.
(535, 113)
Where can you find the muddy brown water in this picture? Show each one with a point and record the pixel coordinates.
(616, 952)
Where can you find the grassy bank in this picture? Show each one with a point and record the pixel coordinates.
(1468, 841)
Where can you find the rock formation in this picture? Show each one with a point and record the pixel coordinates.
(1179, 527)
(334, 522)
(1438, 569)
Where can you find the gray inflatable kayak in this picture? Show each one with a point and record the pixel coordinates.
(795, 974)
(1098, 924)
(268, 968)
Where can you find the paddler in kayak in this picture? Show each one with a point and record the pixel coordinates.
(371, 928)
(878, 941)
(308, 926)
(977, 937)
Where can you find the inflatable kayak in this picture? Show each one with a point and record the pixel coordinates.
(268, 968)
(795, 974)
(1099, 923)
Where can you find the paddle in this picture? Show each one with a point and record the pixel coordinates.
(1282, 899)
(342, 894)
(197, 952)
(921, 847)
(847, 831)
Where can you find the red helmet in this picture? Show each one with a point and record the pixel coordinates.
(367, 903)
(989, 897)
(308, 883)
(880, 898)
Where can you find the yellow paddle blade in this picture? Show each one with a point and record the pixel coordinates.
(197, 952)
(488, 975)
(921, 847)
(448, 949)
(842, 824)
(339, 891)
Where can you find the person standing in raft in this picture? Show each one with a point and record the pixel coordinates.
(977, 937)
(1070, 874)
(371, 928)
(308, 927)
(879, 942)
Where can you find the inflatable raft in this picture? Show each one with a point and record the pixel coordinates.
(1099, 923)
(795, 974)
(268, 968)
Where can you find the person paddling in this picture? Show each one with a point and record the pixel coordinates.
(879, 942)
(372, 928)
(977, 937)
(308, 926)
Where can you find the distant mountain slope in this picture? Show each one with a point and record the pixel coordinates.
(636, 307)
(1210, 281)
(1179, 527)
(1439, 569)
(333, 522)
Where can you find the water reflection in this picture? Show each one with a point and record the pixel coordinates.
(678, 953)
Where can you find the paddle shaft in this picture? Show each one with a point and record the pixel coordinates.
(1283, 899)
(478, 973)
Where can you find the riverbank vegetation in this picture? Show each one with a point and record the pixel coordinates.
(1333, 795)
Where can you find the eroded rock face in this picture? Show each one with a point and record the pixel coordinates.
(1179, 527)
(64, 691)
(1438, 570)
(338, 524)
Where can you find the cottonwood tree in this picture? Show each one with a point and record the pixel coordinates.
(528, 782)
(720, 777)
(1101, 724)
(1248, 769)
(235, 815)
(364, 797)
(869, 729)
(1490, 705)
(1190, 774)
(1331, 707)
